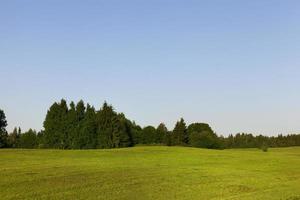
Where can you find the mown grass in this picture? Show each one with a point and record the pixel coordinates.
(150, 173)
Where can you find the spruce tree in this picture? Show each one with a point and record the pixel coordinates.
(80, 136)
(88, 129)
(71, 126)
(3, 132)
(106, 126)
(125, 131)
(169, 139)
(113, 130)
(136, 132)
(56, 126)
(64, 125)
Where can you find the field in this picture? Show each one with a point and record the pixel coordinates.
(150, 173)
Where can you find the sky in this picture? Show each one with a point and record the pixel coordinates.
(233, 64)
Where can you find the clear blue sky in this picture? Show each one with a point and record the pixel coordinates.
(233, 64)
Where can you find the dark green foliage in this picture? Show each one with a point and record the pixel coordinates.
(40, 139)
(161, 134)
(80, 138)
(3, 122)
(201, 135)
(243, 140)
(148, 135)
(80, 126)
(125, 131)
(199, 127)
(107, 129)
(180, 136)
(204, 139)
(88, 129)
(3, 132)
(169, 139)
(14, 138)
(71, 125)
(56, 127)
(3, 139)
(28, 139)
(136, 132)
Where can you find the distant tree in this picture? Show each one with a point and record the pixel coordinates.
(229, 141)
(28, 139)
(14, 137)
(80, 127)
(199, 127)
(3, 132)
(161, 134)
(204, 140)
(169, 139)
(40, 139)
(107, 127)
(136, 131)
(201, 135)
(180, 136)
(80, 140)
(103, 120)
(63, 125)
(71, 126)
(88, 129)
(195, 139)
(222, 142)
(125, 131)
(148, 135)
(56, 126)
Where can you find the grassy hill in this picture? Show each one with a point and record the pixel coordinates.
(150, 173)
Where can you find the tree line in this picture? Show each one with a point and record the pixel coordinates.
(81, 126)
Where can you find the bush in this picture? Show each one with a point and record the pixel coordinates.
(264, 148)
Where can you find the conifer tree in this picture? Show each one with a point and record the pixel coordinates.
(89, 128)
(180, 136)
(161, 133)
(106, 125)
(80, 139)
(136, 132)
(71, 126)
(169, 139)
(56, 126)
(125, 131)
(40, 139)
(3, 132)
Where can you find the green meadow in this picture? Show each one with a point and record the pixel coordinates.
(153, 172)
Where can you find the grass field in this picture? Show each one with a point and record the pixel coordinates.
(150, 173)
